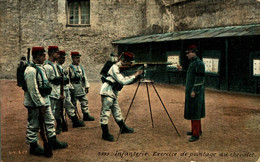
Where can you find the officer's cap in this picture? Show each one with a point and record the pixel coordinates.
(191, 48)
(53, 49)
(62, 53)
(74, 54)
(37, 50)
(128, 56)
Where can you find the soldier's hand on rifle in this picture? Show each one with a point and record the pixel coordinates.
(179, 67)
(139, 72)
(86, 90)
(62, 97)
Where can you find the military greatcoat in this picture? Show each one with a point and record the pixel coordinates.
(195, 107)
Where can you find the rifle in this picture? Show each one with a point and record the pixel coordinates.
(64, 125)
(28, 55)
(43, 130)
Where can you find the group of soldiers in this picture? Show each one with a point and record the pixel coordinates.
(46, 92)
(49, 85)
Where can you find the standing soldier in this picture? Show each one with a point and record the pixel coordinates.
(113, 83)
(68, 105)
(36, 98)
(54, 78)
(80, 86)
(194, 93)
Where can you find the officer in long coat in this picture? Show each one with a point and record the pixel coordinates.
(36, 100)
(194, 93)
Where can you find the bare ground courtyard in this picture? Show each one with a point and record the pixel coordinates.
(231, 129)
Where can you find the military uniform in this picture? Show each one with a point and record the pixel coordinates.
(109, 92)
(69, 107)
(79, 82)
(36, 97)
(109, 96)
(54, 76)
(54, 79)
(195, 106)
(33, 100)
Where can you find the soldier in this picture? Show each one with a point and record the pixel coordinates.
(194, 93)
(113, 83)
(54, 77)
(36, 98)
(70, 109)
(80, 86)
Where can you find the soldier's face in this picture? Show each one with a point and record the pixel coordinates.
(61, 59)
(56, 55)
(126, 63)
(190, 54)
(76, 60)
(41, 58)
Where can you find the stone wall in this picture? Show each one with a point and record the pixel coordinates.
(195, 14)
(28, 23)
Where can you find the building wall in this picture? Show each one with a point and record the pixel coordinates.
(28, 23)
(214, 13)
(179, 15)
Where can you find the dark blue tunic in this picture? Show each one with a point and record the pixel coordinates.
(195, 107)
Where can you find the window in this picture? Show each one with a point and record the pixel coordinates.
(78, 12)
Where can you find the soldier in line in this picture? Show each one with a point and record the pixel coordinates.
(113, 83)
(54, 77)
(36, 98)
(80, 86)
(69, 107)
(194, 93)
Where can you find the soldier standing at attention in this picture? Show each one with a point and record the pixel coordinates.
(194, 93)
(113, 83)
(70, 109)
(36, 98)
(80, 86)
(54, 77)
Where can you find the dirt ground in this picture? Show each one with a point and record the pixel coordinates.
(231, 129)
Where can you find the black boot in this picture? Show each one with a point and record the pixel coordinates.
(87, 117)
(35, 149)
(105, 133)
(194, 138)
(58, 126)
(124, 128)
(76, 122)
(56, 144)
(190, 133)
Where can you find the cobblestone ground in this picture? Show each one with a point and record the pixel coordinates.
(231, 130)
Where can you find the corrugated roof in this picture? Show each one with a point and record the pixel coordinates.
(229, 31)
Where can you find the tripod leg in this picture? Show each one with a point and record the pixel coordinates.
(165, 110)
(149, 103)
(129, 108)
(132, 101)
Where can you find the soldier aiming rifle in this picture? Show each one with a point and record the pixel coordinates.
(113, 83)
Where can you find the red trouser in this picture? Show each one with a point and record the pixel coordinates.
(196, 127)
